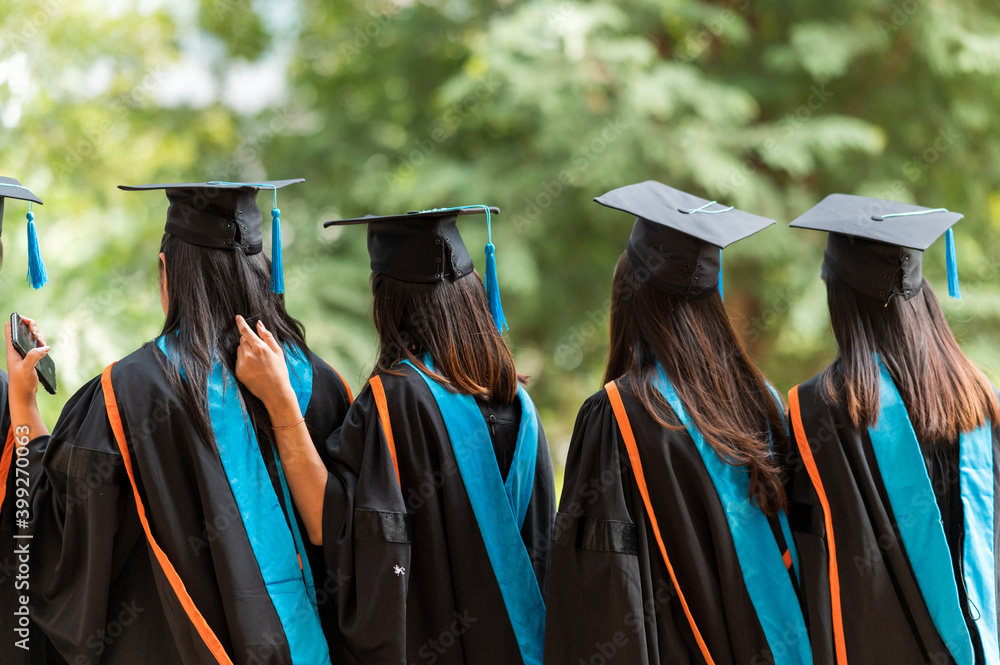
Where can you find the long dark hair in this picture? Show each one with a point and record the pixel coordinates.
(722, 390)
(944, 393)
(206, 289)
(452, 322)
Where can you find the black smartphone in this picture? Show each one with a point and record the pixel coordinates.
(23, 341)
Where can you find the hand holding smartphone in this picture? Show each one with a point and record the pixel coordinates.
(23, 340)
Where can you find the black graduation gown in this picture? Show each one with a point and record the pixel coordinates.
(97, 590)
(14, 584)
(884, 614)
(10, 587)
(445, 607)
(610, 596)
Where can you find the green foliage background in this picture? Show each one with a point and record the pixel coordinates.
(535, 106)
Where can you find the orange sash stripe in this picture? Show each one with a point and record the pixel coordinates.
(787, 558)
(383, 415)
(810, 463)
(625, 427)
(196, 618)
(6, 460)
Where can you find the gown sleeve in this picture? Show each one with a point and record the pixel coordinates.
(366, 540)
(82, 527)
(594, 599)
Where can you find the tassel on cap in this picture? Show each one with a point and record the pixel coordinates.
(722, 293)
(493, 289)
(492, 285)
(952, 263)
(277, 267)
(37, 275)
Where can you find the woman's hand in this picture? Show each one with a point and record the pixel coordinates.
(260, 367)
(23, 381)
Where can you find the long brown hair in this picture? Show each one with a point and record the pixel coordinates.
(206, 289)
(451, 321)
(724, 393)
(944, 393)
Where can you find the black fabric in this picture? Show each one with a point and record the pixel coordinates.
(418, 247)
(677, 237)
(221, 219)
(873, 268)
(10, 189)
(503, 422)
(674, 262)
(805, 517)
(880, 220)
(216, 215)
(597, 535)
(420, 250)
(444, 605)
(885, 617)
(98, 594)
(606, 606)
(876, 245)
(382, 525)
(944, 470)
(12, 581)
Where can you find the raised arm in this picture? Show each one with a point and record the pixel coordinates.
(260, 367)
(25, 420)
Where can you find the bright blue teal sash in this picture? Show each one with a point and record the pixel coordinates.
(279, 550)
(499, 507)
(767, 580)
(904, 474)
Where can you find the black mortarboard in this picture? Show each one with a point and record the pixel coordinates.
(224, 215)
(424, 247)
(876, 246)
(678, 238)
(12, 189)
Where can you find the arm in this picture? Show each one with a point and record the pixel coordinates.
(25, 420)
(260, 366)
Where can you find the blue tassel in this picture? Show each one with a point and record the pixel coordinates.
(952, 262)
(493, 289)
(37, 275)
(722, 294)
(277, 267)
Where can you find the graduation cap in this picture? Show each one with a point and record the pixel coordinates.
(876, 246)
(224, 215)
(12, 189)
(423, 247)
(678, 238)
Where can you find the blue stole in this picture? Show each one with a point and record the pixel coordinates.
(767, 581)
(279, 551)
(915, 508)
(499, 507)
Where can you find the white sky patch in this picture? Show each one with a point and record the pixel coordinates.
(252, 87)
(87, 82)
(186, 83)
(16, 75)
